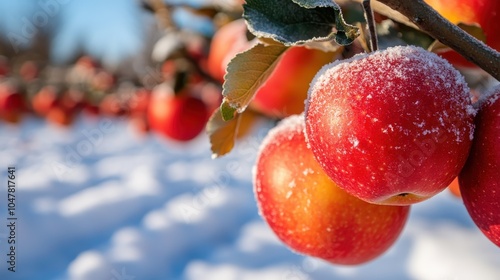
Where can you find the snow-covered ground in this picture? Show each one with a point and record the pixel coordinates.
(98, 201)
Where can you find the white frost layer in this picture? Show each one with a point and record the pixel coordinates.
(381, 58)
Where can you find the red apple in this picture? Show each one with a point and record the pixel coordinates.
(56, 109)
(309, 212)
(486, 13)
(11, 104)
(480, 178)
(391, 127)
(180, 118)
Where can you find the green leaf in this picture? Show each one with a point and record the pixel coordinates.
(293, 22)
(246, 72)
(227, 112)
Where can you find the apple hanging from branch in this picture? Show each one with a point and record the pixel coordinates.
(309, 212)
(390, 127)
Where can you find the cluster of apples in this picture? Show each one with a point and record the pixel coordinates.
(177, 110)
(380, 132)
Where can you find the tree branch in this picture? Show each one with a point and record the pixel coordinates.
(431, 22)
(370, 21)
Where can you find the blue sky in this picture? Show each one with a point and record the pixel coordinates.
(110, 29)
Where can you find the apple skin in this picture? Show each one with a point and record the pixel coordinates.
(479, 180)
(306, 209)
(390, 127)
(486, 13)
(180, 118)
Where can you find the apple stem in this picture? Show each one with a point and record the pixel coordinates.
(432, 23)
(371, 25)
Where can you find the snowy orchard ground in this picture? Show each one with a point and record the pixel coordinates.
(129, 207)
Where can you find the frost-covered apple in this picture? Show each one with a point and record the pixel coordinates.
(390, 127)
(308, 212)
(480, 178)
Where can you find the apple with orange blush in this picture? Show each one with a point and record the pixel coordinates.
(309, 212)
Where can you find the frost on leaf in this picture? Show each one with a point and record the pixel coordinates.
(293, 22)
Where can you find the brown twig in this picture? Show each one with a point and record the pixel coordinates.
(370, 21)
(431, 22)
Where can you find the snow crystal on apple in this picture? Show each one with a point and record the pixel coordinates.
(354, 141)
(490, 96)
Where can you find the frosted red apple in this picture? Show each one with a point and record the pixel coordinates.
(390, 127)
(308, 212)
(480, 178)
